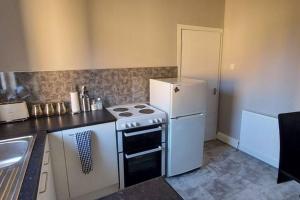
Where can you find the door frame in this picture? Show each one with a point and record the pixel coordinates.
(180, 28)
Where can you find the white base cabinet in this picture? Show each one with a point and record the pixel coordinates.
(46, 190)
(59, 165)
(102, 180)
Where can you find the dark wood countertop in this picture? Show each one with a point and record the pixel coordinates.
(55, 123)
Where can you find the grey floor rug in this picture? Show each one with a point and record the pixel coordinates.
(229, 174)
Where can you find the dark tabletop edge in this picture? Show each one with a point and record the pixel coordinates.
(172, 188)
(146, 190)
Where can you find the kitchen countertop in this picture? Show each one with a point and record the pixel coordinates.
(154, 189)
(41, 127)
(55, 123)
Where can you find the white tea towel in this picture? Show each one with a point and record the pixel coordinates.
(83, 141)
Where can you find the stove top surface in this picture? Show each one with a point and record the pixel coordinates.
(136, 115)
(133, 110)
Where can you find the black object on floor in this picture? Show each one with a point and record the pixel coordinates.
(289, 163)
(154, 189)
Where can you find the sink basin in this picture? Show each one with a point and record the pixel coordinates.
(14, 157)
(12, 152)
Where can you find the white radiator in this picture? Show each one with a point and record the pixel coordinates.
(259, 137)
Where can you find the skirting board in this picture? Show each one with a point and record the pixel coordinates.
(227, 139)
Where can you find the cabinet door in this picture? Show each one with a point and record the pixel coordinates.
(104, 155)
(59, 165)
(46, 189)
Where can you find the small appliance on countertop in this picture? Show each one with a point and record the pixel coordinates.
(141, 137)
(13, 111)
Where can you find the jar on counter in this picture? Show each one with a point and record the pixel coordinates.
(99, 104)
(94, 105)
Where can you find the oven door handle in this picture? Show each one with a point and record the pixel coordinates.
(143, 153)
(142, 132)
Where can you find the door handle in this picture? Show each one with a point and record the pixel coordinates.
(143, 153)
(142, 132)
(44, 174)
(47, 154)
(215, 91)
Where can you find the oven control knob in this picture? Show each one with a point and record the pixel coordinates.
(151, 121)
(160, 120)
(155, 120)
(134, 124)
(124, 125)
(128, 125)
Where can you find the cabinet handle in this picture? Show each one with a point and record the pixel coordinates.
(45, 183)
(47, 153)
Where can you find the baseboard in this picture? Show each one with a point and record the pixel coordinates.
(227, 139)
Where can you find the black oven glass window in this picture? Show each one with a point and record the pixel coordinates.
(141, 168)
(142, 142)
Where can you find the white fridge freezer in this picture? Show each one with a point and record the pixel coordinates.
(184, 100)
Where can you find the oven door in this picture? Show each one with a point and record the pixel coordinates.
(139, 140)
(139, 167)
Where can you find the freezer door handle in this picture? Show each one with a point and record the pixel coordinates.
(202, 114)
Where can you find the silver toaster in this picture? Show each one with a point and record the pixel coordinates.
(15, 111)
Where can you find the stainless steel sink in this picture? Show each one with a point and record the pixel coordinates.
(14, 157)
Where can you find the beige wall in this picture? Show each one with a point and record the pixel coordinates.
(261, 37)
(73, 34)
(13, 50)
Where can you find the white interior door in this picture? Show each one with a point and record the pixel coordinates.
(199, 56)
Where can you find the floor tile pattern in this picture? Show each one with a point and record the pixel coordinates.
(229, 174)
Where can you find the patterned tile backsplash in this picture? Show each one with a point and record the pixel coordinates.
(114, 86)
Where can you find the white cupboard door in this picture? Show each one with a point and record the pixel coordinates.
(59, 165)
(200, 57)
(104, 156)
(46, 190)
(185, 144)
